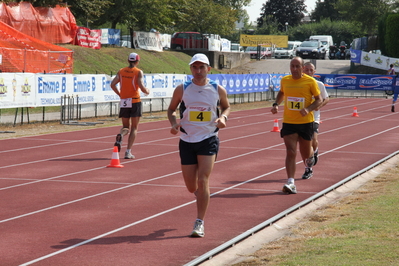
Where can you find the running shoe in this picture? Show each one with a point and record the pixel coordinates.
(316, 157)
(308, 173)
(289, 189)
(310, 161)
(198, 230)
(393, 108)
(128, 155)
(118, 142)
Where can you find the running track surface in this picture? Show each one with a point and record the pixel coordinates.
(61, 205)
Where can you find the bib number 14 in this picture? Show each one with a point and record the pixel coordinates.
(296, 103)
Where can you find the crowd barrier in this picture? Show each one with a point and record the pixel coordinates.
(23, 90)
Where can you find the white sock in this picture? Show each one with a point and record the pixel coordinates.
(291, 180)
(201, 221)
(129, 150)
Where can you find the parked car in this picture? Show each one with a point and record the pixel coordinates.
(236, 47)
(188, 40)
(287, 52)
(265, 52)
(311, 49)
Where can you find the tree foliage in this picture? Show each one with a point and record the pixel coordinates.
(392, 35)
(282, 12)
(365, 12)
(215, 16)
(207, 17)
(326, 9)
(339, 30)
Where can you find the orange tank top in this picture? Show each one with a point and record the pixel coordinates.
(129, 85)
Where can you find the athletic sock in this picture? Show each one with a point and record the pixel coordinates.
(128, 150)
(291, 180)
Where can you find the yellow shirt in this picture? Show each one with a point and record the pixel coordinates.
(129, 87)
(298, 94)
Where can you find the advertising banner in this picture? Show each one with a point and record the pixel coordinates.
(148, 41)
(36, 90)
(358, 82)
(264, 40)
(162, 85)
(242, 83)
(110, 36)
(17, 90)
(88, 38)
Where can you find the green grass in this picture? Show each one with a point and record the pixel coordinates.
(108, 60)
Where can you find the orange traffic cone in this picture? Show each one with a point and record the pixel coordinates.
(275, 127)
(115, 159)
(355, 112)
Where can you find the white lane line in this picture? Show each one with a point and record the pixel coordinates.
(180, 206)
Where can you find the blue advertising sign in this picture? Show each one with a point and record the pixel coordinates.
(358, 81)
(242, 83)
(356, 56)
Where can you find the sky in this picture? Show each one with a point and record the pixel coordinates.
(254, 8)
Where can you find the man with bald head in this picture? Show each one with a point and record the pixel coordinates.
(297, 92)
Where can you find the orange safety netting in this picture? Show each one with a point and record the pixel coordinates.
(53, 25)
(22, 53)
(27, 36)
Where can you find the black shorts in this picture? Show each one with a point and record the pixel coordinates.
(189, 151)
(316, 127)
(134, 111)
(305, 131)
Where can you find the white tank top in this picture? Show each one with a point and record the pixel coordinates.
(324, 95)
(198, 111)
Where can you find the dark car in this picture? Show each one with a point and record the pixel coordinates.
(311, 49)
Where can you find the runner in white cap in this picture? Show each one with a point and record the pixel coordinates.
(130, 81)
(200, 121)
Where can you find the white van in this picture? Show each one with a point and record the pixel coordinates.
(236, 47)
(326, 41)
(287, 52)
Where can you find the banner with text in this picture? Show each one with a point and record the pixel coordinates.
(88, 38)
(358, 81)
(35, 90)
(264, 40)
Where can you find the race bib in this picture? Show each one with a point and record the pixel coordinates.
(126, 103)
(200, 116)
(295, 103)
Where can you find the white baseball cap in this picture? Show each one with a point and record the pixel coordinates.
(199, 58)
(134, 57)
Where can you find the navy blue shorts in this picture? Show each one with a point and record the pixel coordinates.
(135, 111)
(305, 131)
(189, 151)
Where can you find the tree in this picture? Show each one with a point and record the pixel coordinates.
(207, 17)
(325, 9)
(285, 12)
(365, 12)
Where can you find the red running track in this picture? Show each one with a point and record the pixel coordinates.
(60, 205)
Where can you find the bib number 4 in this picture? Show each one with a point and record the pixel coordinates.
(200, 116)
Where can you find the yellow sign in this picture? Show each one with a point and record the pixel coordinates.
(264, 40)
